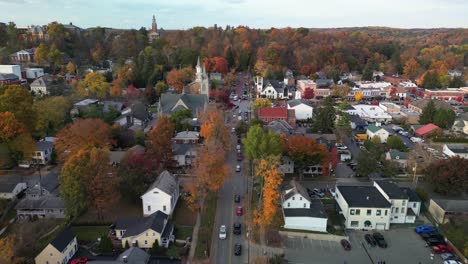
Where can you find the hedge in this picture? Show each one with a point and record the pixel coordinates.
(451, 140)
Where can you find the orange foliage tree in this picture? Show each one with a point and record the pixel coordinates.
(81, 134)
(177, 79)
(268, 170)
(213, 128)
(9, 126)
(411, 69)
(216, 64)
(160, 138)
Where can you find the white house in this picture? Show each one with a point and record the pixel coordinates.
(303, 110)
(184, 154)
(370, 113)
(269, 92)
(40, 85)
(162, 195)
(454, 150)
(397, 198)
(380, 132)
(34, 73)
(287, 165)
(363, 207)
(461, 124)
(300, 211)
(60, 250)
(10, 190)
(271, 89)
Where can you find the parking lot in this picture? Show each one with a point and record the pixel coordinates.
(404, 246)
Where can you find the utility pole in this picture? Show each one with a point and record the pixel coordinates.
(415, 178)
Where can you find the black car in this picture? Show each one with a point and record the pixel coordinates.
(237, 198)
(434, 235)
(237, 249)
(345, 244)
(370, 240)
(237, 229)
(380, 240)
(435, 242)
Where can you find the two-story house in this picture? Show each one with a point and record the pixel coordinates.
(60, 250)
(186, 137)
(40, 85)
(398, 199)
(363, 207)
(184, 148)
(300, 211)
(39, 203)
(380, 132)
(162, 195)
(43, 152)
(143, 232)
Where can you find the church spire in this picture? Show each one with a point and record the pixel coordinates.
(154, 26)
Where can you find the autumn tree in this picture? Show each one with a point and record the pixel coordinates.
(411, 69)
(52, 113)
(306, 152)
(268, 171)
(160, 140)
(259, 144)
(116, 88)
(71, 68)
(340, 90)
(260, 103)
(448, 176)
(9, 127)
(150, 94)
(40, 54)
(95, 84)
(17, 100)
(82, 134)
(161, 88)
(308, 93)
(358, 96)
(179, 78)
(216, 64)
(213, 128)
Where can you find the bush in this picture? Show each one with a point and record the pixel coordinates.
(106, 244)
(422, 194)
(127, 245)
(155, 248)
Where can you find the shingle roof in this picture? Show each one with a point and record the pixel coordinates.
(426, 129)
(44, 145)
(182, 149)
(7, 187)
(295, 188)
(373, 128)
(272, 112)
(61, 241)
(140, 111)
(412, 195)
(398, 155)
(316, 210)
(166, 182)
(134, 255)
(363, 196)
(194, 102)
(8, 76)
(280, 127)
(137, 225)
(391, 189)
(43, 202)
(438, 104)
(453, 205)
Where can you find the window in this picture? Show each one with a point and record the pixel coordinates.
(354, 223)
(146, 233)
(414, 205)
(386, 212)
(352, 212)
(369, 211)
(358, 211)
(403, 203)
(378, 212)
(146, 242)
(294, 198)
(289, 205)
(164, 208)
(304, 205)
(154, 234)
(149, 208)
(402, 210)
(300, 198)
(396, 210)
(51, 254)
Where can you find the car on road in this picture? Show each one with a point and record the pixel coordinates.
(452, 262)
(238, 147)
(239, 211)
(345, 244)
(340, 146)
(235, 98)
(448, 256)
(237, 229)
(441, 249)
(237, 198)
(370, 240)
(380, 240)
(237, 249)
(222, 232)
(424, 229)
(239, 157)
(435, 242)
(238, 168)
(82, 260)
(396, 128)
(233, 130)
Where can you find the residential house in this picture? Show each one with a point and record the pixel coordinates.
(428, 130)
(442, 209)
(370, 113)
(377, 75)
(303, 110)
(399, 211)
(414, 202)
(25, 56)
(327, 140)
(269, 114)
(456, 150)
(162, 195)
(60, 250)
(399, 157)
(419, 105)
(39, 203)
(287, 165)
(273, 89)
(82, 105)
(137, 118)
(9, 190)
(43, 152)
(357, 123)
(363, 207)
(132, 255)
(143, 232)
(186, 137)
(184, 154)
(380, 132)
(280, 127)
(461, 124)
(171, 103)
(300, 211)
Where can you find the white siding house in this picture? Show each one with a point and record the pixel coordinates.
(454, 150)
(300, 211)
(303, 111)
(269, 92)
(162, 195)
(399, 200)
(380, 132)
(10, 190)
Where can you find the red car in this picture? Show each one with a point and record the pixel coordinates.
(239, 211)
(441, 249)
(82, 260)
(239, 157)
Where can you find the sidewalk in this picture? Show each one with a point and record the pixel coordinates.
(193, 245)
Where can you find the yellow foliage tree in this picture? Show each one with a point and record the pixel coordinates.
(95, 84)
(71, 68)
(260, 103)
(358, 96)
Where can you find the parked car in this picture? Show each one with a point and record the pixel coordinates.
(238, 146)
(441, 249)
(239, 157)
(239, 211)
(318, 193)
(424, 229)
(345, 244)
(332, 192)
(340, 146)
(237, 198)
(435, 242)
(452, 262)
(237, 229)
(380, 240)
(82, 260)
(416, 140)
(233, 130)
(237, 249)
(435, 235)
(396, 128)
(370, 240)
(238, 168)
(222, 232)
(448, 256)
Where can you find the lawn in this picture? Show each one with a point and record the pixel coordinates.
(121, 209)
(457, 233)
(206, 227)
(90, 233)
(182, 215)
(182, 232)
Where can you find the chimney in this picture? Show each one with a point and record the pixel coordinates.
(125, 259)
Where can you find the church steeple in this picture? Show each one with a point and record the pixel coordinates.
(199, 73)
(154, 26)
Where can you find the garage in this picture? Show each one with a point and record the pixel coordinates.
(380, 226)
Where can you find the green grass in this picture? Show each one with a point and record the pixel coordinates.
(173, 251)
(206, 227)
(90, 233)
(182, 232)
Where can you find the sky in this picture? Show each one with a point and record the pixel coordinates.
(184, 14)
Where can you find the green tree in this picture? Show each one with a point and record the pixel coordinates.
(155, 247)
(52, 114)
(395, 142)
(55, 56)
(431, 80)
(127, 245)
(106, 246)
(179, 119)
(428, 113)
(41, 54)
(161, 88)
(259, 144)
(366, 164)
(230, 58)
(457, 82)
(448, 176)
(343, 126)
(444, 118)
(325, 119)
(242, 128)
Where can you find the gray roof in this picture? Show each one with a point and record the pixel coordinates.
(61, 241)
(44, 145)
(116, 156)
(438, 104)
(187, 135)
(280, 127)
(460, 206)
(43, 202)
(194, 102)
(137, 225)
(327, 137)
(296, 102)
(134, 255)
(398, 155)
(357, 120)
(114, 104)
(182, 149)
(296, 188)
(7, 187)
(140, 111)
(323, 83)
(363, 196)
(316, 210)
(8, 76)
(412, 195)
(391, 189)
(460, 149)
(166, 182)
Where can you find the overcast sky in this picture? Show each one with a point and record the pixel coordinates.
(183, 14)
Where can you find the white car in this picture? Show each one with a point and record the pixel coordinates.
(233, 130)
(238, 147)
(222, 232)
(452, 262)
(416, 140)
(238, 168)
(396, 128)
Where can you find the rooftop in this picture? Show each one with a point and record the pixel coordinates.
(43, 202)
(44, 145)
(438, 104)
(295, 188)
(459, 149)
(316, 210)
(363, 196)
(273, 112)
(166, 182)
(453, 205)
(64, 238)
(137, 225)
(398, 155)
(424, 130)
(391, 189)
